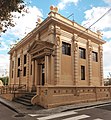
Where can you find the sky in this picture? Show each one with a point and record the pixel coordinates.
(85, 13)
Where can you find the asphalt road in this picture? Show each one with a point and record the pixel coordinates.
(92, 113)
(8, 114)
(102, 112)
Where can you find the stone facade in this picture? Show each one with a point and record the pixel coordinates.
(56, 59)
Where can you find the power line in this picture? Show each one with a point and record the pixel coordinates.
(90, 25)
(100, 18)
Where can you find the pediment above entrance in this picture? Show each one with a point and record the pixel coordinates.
(40, 49)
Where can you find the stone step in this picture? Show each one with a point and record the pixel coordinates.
(22, 102)
(25, 99)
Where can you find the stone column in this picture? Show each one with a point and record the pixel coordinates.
(28, 71)
(15, 66)
(101, 65)
(36, 72)
(33, 75)
(46, 69)
(21, 67)
(89, 46)
(75, 60)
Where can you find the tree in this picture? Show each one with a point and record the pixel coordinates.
(5, 80)
(6, 8)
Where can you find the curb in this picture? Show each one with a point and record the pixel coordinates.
(87, 106)
(2, 101)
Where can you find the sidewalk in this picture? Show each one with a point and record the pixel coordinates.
(18, 108)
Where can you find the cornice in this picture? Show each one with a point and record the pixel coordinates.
(59, 20)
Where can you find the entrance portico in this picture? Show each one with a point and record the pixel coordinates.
(41, 52)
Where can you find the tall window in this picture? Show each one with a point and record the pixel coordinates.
(18, 62)
(82, 53)
(66, 48)
(95, 56)
(24, 72)
(31, 70)
(82, 72)
(18, 73)
(25, 59)
(12, 64)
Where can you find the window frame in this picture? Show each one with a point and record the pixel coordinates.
(25, 58)
(66, 48)
(82, 72)
(18, 72)
(24, 71)
(82, 53)
(18, 61)
(94, 56)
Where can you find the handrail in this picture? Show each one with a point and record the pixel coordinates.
(12, 88)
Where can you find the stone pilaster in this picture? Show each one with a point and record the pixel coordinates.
(57, 61)
(15, 66)
(57, 58)
(28, 67)
(75, 55)
(101, 64)
(11, 70)
(89, 48)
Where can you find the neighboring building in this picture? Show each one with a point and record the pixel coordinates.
(60, 60)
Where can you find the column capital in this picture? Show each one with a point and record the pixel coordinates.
(15, 53)
(74, 38)
(58, 30)
(21, 51)
(57, 42)
(51, 29)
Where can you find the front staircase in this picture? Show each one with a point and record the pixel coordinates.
(25, 99)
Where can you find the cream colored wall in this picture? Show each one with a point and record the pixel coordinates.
(66, 70)
(83, 62)
(96, 67)
(23, 79)
(66, 63)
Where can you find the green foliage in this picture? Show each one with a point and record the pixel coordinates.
(6, 8)
(5, 80)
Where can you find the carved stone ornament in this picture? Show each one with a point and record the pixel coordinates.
(15, 53)
(21, 51)
(90, 48)
(37, 37)
(58, 30)
(58, 41)
(51, 29)
(75, 45)
(74, 38)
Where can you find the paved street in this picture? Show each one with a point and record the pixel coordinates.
(102, 112)
(99, 110)
(8, 114)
